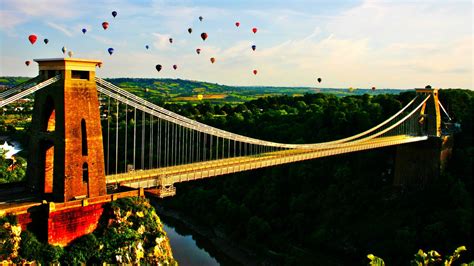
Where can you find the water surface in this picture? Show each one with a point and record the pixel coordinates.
(185, 249)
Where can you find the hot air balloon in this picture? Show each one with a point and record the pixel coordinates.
(175, 67)
(190, 30)
(213, 60)
(373, 88)
(99, 65)
(110, 50)
(255, 72)
(254, 47)
(319, 80)
(237, 24)
(114, 13)
(46, 41)
(198, 50)
(171, 40)
(204, 36)
(69, 53)
(64, 49)
(32, 38)
(27, 63)
(105, 25)
(84, 31)
(254, 30)
(158, 67)
(200, 18)
(147, 47)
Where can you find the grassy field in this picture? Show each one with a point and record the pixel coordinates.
(182, 91)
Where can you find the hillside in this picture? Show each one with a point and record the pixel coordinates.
(179, 90)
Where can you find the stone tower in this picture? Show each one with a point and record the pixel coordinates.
(66, 159)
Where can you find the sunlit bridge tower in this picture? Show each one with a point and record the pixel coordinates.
(417, 164)
(430, 116)
(66, 159)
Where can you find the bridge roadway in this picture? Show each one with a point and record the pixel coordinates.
(167, 176)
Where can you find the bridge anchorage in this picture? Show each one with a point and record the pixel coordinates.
(93, 142)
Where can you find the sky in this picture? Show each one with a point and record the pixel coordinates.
(353, 43)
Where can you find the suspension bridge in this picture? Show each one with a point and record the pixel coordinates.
(91, 139)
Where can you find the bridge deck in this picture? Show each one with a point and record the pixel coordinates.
(167, 176)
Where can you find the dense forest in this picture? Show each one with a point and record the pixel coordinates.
(336, 210)
(329, 211)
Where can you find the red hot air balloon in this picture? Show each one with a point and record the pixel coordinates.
(27, 63)
(198, 50)
(105, 25)
(175, 67)
(255, 72)
(254, 30)
(213, 60)
(237, 24)
(32, 38)
(373, 88)
(204, 36)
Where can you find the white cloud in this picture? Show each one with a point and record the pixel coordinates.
(161, 41)
(41, 8)
(8, 20)
(60, 28)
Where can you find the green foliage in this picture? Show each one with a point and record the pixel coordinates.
(30, 249)
(82, 250)
(52, 254)
(11, 171)
(375, 261)
(426, 259)
(326, 211)
(342, 205)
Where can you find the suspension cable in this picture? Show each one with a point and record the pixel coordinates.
(116, 136)
(444, 110)
(108, 136)
(134, 138)
(126, 135)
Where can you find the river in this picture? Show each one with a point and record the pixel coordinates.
(186, 250)
(190, 248)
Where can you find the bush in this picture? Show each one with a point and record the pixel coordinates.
(83, 250)
(30, 247)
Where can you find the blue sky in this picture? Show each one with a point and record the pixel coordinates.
(387, 44)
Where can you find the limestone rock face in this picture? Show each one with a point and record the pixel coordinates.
(133, 233)
(129, 232)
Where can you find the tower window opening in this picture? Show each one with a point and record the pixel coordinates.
(76, 74)
(85, 173)
(84, 137)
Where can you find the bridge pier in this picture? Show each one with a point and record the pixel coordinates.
(66, 159)
(419, 163)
